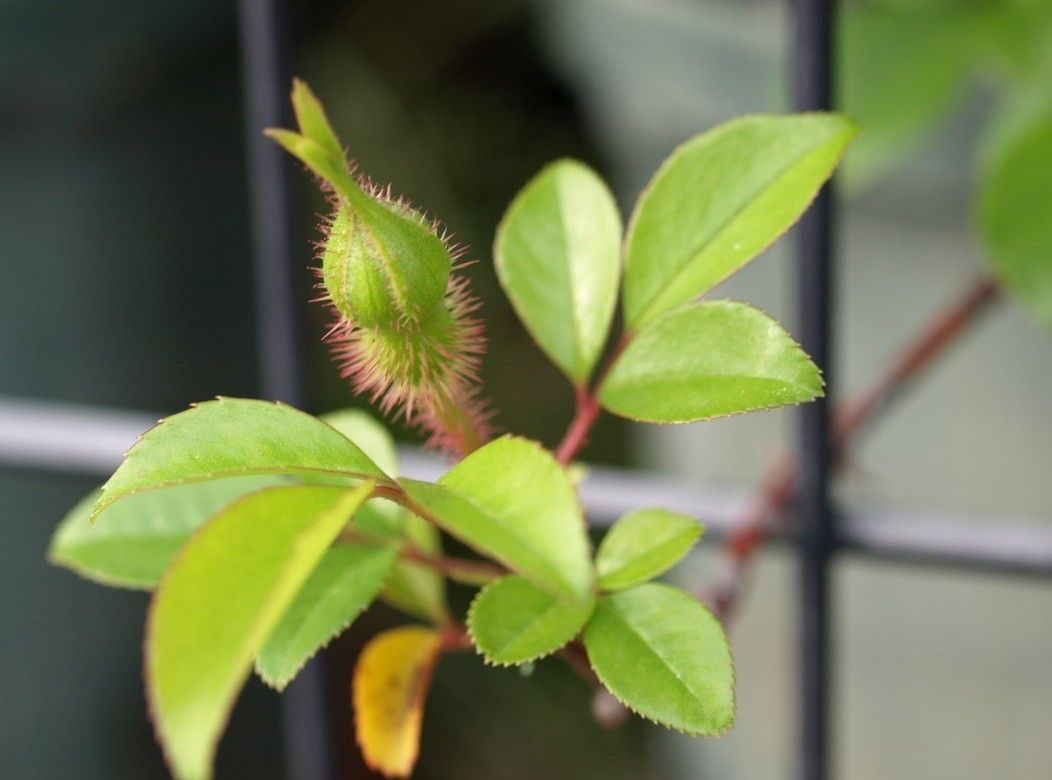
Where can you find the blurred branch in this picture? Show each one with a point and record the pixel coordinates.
(778, 488)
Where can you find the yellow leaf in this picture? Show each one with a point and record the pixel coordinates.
(390, 685)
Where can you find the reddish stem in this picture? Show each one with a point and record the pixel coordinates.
(580, 427)
(850, 417)
(588, 408)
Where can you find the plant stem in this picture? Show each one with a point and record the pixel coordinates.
(778, 488)
(580, 427)
(463, 570)
(588, 408)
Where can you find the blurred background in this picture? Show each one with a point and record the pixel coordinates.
(125, 282)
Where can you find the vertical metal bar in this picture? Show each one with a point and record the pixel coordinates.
(265, 84)
(813, 90)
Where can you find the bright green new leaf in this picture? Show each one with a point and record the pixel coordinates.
(345, 582)
(558, 257)
(642, 545)
(513, 621)
(707, 360)
(1015, 210)
(721, 199)
(133, 541)
(234, 437)
(665, 656)
(512, 501)
(220, 601)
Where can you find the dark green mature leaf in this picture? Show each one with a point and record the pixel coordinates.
(512, 501)
(222, 598)
(665, 656)
(719, 200)
(558, 253)
(642, 545)
(133, 541)
(513, 621)
(346, 581)
(1015, 209)
(708, 360)
(234, 437)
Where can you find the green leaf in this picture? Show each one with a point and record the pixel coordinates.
(707, 360)
(345, 582)
(134, 541)
(558, 253)
(664, 656)
(513, 621)
(642, 545)
(371, 436)
(219, 602)
(512, 501)
(896, 85)
(721, 199)
(413, 587)
(232, 437)
(1015, 211)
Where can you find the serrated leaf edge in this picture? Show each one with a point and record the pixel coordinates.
(672, 726)
(793, 345)
(489, 660)
(643, 318)
(279, 685)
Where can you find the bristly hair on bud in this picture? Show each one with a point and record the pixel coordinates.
(406, 332)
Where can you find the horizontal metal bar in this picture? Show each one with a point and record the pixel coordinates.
(86, 441)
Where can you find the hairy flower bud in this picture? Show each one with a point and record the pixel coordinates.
(404, 333)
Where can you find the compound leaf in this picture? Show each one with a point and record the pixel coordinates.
(642, 545)
(513, 621)
(664, 656)
(391, 681)
(707, 360)
(232, 437)
(219, 602)
(721, 199)
(558, 257)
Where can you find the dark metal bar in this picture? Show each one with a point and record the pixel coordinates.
(265, 79)
(812, 90)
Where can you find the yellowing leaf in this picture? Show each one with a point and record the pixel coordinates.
(390, 684)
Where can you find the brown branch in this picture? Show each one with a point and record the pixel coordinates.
(778, 489)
